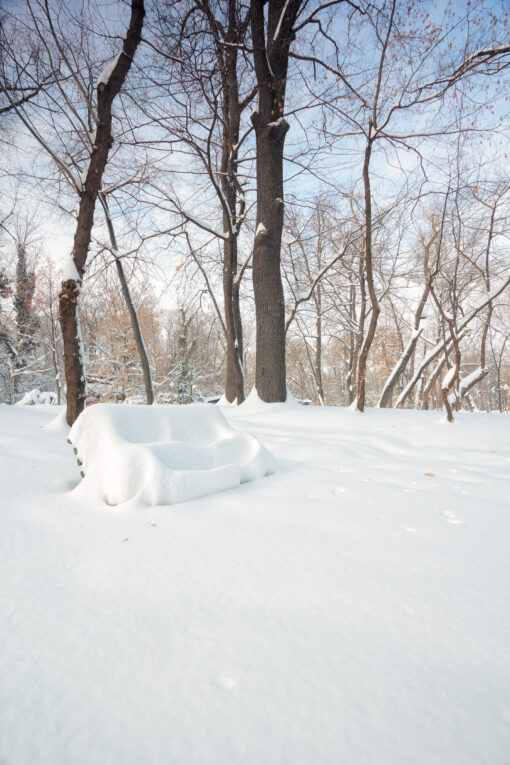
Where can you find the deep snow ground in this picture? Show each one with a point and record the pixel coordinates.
(348, 609)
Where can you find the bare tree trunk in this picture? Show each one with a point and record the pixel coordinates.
(369, 275)
(271, 55)
(429, 385)
(234, 378)
(398, 369)
(133, 316)
(231, 117)
(318, 354)
(68, 296)
(270, 379)
(354, 340)
(74, 366)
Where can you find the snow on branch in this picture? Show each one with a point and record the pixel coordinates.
(448, 378)
(70, 272)
(434, 353)
(280, 20)
(483, 55)
(107, 72)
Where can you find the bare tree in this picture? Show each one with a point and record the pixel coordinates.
(109, 84)
(271, 45)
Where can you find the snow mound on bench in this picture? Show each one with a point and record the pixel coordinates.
(162, 455)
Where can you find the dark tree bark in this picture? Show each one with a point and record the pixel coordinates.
(68, 296)
(231, 115)
(271, 44)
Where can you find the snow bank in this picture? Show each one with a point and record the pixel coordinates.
(254, 403)
(59, 423)
(163, 455)
(223, 401)
(349, 610)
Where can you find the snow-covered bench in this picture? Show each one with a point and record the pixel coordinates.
(162, 455)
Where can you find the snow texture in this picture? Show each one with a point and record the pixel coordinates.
(59, 423)
(466, 382)
(70, 272)
(261, 229)
(448, 378)
(163, 455)
(223, 401)
(254, 403)
(83, 175)
(105, 75)
(350, 610)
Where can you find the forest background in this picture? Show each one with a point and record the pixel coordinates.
(312, 195)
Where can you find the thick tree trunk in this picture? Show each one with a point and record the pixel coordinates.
(270, 379)
(74, 366)
(271, 55)
(68, 297)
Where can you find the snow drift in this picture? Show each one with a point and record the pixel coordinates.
(163, 455)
